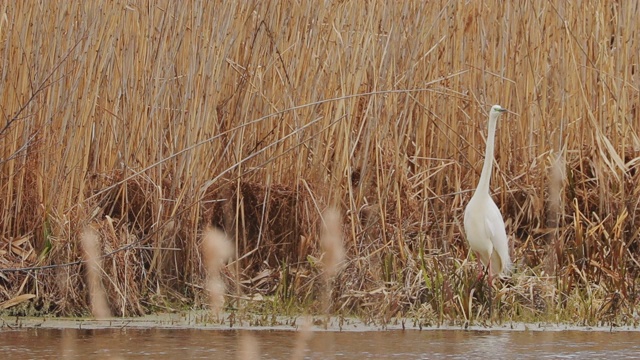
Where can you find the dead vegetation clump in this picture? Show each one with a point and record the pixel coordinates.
(130, 200)
(123, 267)
(272, 225)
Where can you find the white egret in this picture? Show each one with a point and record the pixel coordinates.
(483, 223)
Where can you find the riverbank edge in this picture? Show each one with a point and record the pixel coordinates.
(203, 321)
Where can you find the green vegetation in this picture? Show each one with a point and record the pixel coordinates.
(148, 121)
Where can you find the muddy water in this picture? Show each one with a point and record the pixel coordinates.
(397, 344)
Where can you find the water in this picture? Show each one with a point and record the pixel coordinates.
(127, 343)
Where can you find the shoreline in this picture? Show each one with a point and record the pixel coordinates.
(195, 321)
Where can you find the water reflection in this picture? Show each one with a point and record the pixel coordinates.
(431, 344)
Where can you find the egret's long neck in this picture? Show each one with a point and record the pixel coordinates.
(485, 177)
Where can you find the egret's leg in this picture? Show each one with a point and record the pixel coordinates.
(490, 283)
(490, 277)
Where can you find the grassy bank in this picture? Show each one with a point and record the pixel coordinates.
(149, 121)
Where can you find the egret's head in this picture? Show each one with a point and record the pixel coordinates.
(497, 109)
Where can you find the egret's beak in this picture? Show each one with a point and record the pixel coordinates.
(502, 110)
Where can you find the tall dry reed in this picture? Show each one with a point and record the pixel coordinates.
(253, 116)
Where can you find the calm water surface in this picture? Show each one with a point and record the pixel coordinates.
(216, 344)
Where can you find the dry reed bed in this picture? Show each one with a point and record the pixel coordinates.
(149, 120)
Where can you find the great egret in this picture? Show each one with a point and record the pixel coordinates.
(483, 222)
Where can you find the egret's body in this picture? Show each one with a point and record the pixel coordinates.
(483, 222)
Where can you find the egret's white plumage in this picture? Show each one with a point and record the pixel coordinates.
(483, 222)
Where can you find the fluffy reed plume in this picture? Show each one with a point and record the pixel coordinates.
(333, 254)
(333, 251)
(331, 243)
(67, 345)
(248, 348)
(217, 250)
(90, 246)
(302, 338)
